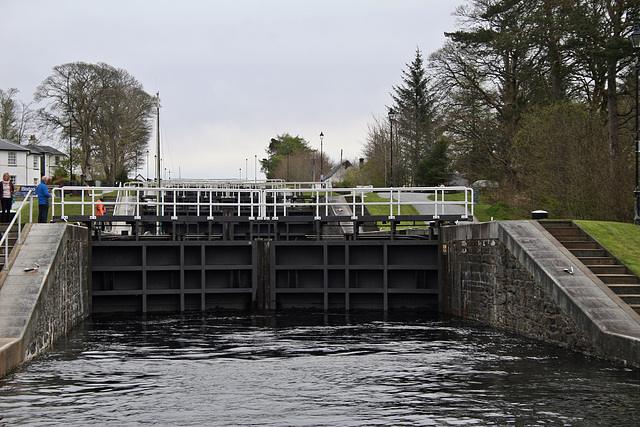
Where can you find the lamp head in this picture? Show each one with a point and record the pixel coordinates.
(392, 114)
(635, 37)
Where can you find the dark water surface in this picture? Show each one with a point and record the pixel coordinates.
(313, 370)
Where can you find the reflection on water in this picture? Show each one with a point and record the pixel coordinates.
(313, 370)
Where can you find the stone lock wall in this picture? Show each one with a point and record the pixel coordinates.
(488, 284)
(46, 292)
(64, 299)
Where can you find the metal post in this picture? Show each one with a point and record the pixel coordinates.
(636, 192)
(321, 159)
(392, 116)
(635, 42)
(391, 148)
(70, 132)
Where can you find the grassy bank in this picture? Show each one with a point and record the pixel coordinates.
(621, 239)
(384, 210)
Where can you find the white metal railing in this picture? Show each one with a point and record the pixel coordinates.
(229, 183)
(17, 217)
(263, 203)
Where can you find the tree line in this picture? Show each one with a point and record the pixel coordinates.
(536, 95)
(103, 111)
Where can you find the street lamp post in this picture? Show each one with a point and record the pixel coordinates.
(70, 111)
(392, 117)
(321, 159)
(635, 41)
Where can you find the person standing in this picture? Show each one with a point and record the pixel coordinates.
(7, 198)
(42, 191)
(100, 210)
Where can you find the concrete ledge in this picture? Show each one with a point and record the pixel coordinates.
(45, 293)
(611, 326)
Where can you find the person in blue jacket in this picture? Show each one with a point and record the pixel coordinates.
(43, 200)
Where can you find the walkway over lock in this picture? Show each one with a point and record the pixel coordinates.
(248, 210)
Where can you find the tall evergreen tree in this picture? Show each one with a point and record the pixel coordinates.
(416, 133)
(435, 169)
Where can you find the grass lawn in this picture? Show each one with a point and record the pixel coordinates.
(621, 239)
(68, 209)
(384, 210)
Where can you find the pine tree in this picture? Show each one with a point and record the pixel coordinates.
(435, 169)
(415, 136)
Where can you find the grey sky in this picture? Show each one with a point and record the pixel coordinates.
(233, 74)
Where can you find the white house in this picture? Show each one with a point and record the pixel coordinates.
(338, 172)
(49, 161)
(27, 164)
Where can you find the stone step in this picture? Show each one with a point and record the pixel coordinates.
(624, 289)
(618, 279)
(580, 245)
(563, 238)
(597, 261)
(588, 253)
(608, 269)
(548, 224)
(631, 299)
(563, 231)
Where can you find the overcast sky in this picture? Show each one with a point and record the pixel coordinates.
(233, 74)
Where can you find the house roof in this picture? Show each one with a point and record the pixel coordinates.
(34, 149)
(346, 164)
(11, 146)
(40, 149)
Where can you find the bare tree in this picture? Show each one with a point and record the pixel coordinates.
(16, 117)
(104, 109)
(377, 154)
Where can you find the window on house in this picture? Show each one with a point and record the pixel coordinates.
(12, 158)
(36, 163)
(13, 178)
(57, 161)
(35, 181)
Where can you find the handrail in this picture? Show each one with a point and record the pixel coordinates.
(18, 216)
(261, 203)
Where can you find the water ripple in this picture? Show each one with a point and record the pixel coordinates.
(324, 370)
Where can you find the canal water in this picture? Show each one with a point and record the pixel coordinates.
(313, 369)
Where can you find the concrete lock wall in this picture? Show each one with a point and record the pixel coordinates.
(46, 292)
(512, 276)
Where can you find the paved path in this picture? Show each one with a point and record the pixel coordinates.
(420, 200)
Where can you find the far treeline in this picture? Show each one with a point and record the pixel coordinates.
(104, 109)
(538, 96)
(535, 95)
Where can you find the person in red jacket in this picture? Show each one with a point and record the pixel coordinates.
(100, 210)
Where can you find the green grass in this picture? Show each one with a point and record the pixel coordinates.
(485, 211)
(384, 210)
(621, 239)
(68, 209)
(499, 212)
